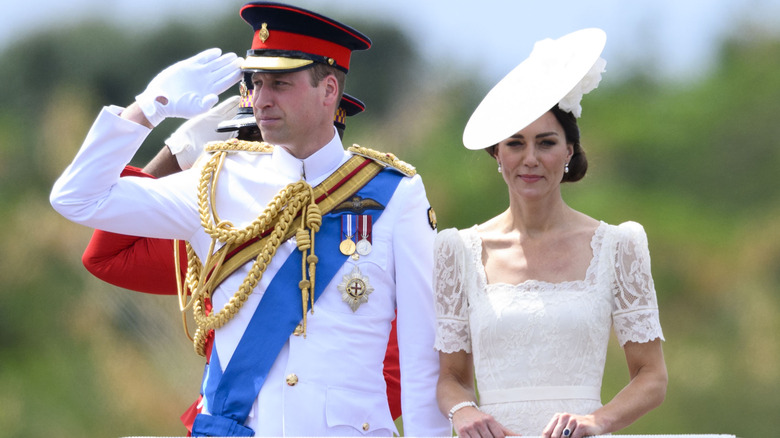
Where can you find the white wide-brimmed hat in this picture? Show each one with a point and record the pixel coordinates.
(555, 69)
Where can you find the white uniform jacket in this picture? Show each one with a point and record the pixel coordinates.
(337, 369)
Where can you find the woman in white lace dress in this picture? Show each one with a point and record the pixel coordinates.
(526, 300)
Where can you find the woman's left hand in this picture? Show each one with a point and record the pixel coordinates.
(565, 425)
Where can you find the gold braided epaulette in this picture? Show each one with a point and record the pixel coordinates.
(236, 145)
(386, 159)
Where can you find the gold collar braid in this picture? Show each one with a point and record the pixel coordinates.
(293, 199)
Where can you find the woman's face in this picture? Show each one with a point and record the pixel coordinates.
(533, 159)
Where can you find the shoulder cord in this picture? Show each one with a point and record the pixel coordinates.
(279, 215)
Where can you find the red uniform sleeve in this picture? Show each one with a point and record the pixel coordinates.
(136, 263)
(392, 371)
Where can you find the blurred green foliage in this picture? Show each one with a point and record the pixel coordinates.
(694, 162)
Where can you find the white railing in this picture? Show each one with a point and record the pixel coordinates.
(654, 436)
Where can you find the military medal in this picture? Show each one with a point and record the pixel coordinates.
(355, 289)
(363, 246)
(348, 228)
(347, 247)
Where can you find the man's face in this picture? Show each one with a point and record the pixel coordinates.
(288, 108)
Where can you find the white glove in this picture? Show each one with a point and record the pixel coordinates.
(187, 142)
(189, 87)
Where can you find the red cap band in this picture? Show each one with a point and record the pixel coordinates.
(280, 40)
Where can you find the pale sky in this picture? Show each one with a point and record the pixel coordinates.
(682, 35)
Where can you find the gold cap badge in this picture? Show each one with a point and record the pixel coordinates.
(243, 89)
(263, 33)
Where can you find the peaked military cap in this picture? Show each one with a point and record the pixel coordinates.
(349, 106)
(288, 38)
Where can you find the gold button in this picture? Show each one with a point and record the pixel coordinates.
(292, 379)
(298, 330)
(366, 426)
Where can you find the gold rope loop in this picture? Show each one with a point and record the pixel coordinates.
(278, 215)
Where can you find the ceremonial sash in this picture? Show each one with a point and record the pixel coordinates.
(230, 395)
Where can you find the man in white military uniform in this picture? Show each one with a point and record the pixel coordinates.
(274, 370)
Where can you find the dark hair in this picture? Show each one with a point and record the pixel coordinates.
(321, 71)
(578, 165)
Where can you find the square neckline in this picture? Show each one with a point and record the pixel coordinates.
(596, 242)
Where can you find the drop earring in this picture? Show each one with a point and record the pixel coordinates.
(566, 168)
(499, 167)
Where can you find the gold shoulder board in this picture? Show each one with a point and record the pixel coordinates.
(386, 159)
(236, 145)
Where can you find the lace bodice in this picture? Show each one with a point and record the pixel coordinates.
(540, 347)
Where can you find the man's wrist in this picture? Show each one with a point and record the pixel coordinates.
(134, 114)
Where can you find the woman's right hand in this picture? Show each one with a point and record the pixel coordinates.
(471, 422)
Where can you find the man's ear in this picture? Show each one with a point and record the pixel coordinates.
(331, 89)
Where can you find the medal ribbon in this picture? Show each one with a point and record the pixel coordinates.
(364, 227)
(349, 224)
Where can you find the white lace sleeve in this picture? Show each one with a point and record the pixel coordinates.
(449, 272)
(635, 307)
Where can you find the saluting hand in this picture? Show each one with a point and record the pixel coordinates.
(189, 87)
(187, 142)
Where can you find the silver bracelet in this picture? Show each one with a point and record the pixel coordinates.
(460, 406)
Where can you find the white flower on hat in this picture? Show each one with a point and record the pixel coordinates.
(571, 102)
